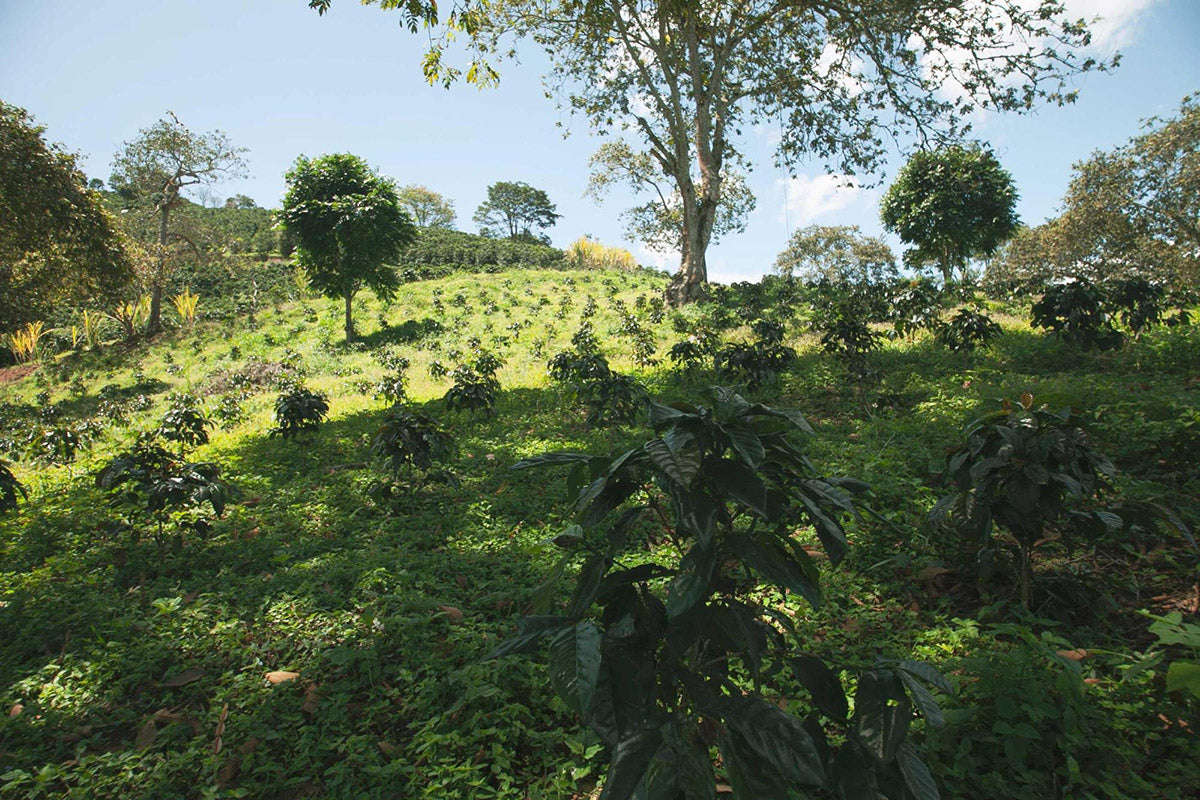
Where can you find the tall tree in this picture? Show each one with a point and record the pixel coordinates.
(348, 224)
(427, 208)
(154, 170)
(841, 78)
(952, 205)
(837, 253)
(58, 242)
(515, 210)
(658, 222)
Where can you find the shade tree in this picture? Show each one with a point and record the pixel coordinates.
(515, 210)
(839, 254)
(151, 173)
(951, 205)
(348, 225)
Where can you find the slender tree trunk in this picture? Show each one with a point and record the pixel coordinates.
(689, 283)
(154, 323)
(349, 317)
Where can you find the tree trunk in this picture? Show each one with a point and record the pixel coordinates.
(699, 215)
(154, 323)
(349, 317)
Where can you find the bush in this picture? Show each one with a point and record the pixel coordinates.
(676, 658)
(475, 385)
(10, 488)
(299, 410)
(184, 422)
(1019, 468)
(759, 362)
(967, 330)
(1077, 313)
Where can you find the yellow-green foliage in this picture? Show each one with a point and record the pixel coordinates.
(24, 343)
(93, 324)
(185, 305)
(587, 253)
(130, 316)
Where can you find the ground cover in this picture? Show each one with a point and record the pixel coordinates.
(318, 643)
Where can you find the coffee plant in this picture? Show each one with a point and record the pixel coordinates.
(760, 362)
(10, 488)
(608, 396)
(967, 330)
(1077, 312)
(184, 423)
(915, 305)
(665, 661)
(1020, 468)
(299, 410)
(1137, 302)
(149, 479)
(475, 385)
(409, 444)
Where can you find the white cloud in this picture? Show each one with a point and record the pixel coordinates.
(1118, 20)
(659, 259)
(807, 198)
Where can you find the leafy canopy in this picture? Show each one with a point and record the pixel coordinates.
(427, 208)
(840, 254)
(348, 225)
(515, 210)
(951, 205)
(58, 244)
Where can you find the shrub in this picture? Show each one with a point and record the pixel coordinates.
(184, 423)
(1137, 302)
(759, 362)
(299, 410)
(677, 657)
(10, 488)
(475, 385)
(1019, 468)
(1076, 312)
(408, 442)
(915, 305)
(148, 478)
(967, 330)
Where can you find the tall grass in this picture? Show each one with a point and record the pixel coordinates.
(587, 253)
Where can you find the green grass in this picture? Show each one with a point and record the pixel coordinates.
(385, 616)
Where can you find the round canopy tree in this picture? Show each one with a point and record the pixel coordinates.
(515, 209)
(348, 224)
(951, 205)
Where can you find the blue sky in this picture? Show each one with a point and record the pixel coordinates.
(281, 81)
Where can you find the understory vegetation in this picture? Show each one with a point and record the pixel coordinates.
(194, 607)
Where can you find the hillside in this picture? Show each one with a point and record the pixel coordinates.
(319, 642)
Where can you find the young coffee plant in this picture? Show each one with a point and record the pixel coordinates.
(759, 362)
(10, 488)
(1137, 302)
(1020, 468)
(184, 423)
(664, 661)
(691, 353)
(475, 385)
(1077, 312)
(608, 396)
(149, 480)
(299, 410)
(409, 445)
(915, 305)
(967, 330)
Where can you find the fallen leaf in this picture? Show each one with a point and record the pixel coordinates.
(16, 710)
(145, 736)
(250, 746)
(187, 676)
(388, 749)
(461, 580)
(1073, 655)
(1091, 681)
(452, 613)
(281, 676)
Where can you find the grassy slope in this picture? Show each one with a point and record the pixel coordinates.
(306, 574)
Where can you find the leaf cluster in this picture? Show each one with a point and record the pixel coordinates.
(299, 410)
(661, 675)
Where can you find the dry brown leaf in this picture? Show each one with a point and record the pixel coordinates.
(229, 771)
(281, 676)
(932, 573)
(1091, 681)
(388, 749)
(1074, 655)
(461, 580)
(452, 613)
(187, 676)
(250, 746)
(145, 736)
(16, 710)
